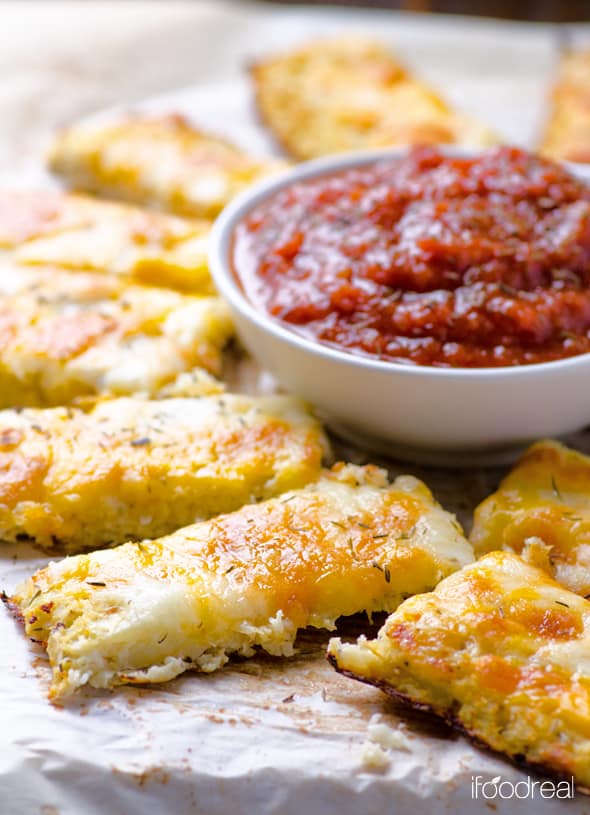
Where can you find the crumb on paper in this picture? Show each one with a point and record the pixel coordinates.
(374, 758)
(381, 739)
(387, 737)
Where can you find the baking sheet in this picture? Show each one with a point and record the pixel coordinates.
(270, 736)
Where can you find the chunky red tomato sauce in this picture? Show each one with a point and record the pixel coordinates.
(428, 259)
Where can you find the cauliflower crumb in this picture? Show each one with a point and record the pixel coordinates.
(379, 733)
(381, 739)
(374, 758)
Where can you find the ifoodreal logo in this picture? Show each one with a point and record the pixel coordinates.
(528, 788)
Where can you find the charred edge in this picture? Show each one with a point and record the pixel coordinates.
(287, 149)
(13, 608)
(518, 760)
(453, 721)
(395, 694)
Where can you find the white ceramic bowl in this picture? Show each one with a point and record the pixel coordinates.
(450, 416)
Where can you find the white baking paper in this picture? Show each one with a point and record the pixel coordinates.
(263, 736)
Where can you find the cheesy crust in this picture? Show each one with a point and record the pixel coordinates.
(76, 232)
(501, 652)
(162, 162)
(567, 134)
(66, 335)
(349, 542)
(541, 511)
(134, 468)
(350, 93)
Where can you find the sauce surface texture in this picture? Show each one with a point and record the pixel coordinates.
(428, 259)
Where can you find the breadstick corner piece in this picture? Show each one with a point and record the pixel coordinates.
(69, 335)
(567, 133)
(164, 162)
(146, 612)
(138, 468)
(498, 650)
(351, 93)
(69, 232)
(541, 511)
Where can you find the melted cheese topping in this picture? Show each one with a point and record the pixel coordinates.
(567, 135)
(541, 511)
(159, 162)
(132, 468)
(351, 94)
(79, 233)
(499, 650)
(65, 335)
(349, 542)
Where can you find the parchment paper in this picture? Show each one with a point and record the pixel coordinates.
(266, 736)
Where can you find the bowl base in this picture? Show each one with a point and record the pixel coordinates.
(430, 457)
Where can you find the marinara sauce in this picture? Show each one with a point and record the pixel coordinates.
(428, 259)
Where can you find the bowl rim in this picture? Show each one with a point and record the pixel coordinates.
(220, 244)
